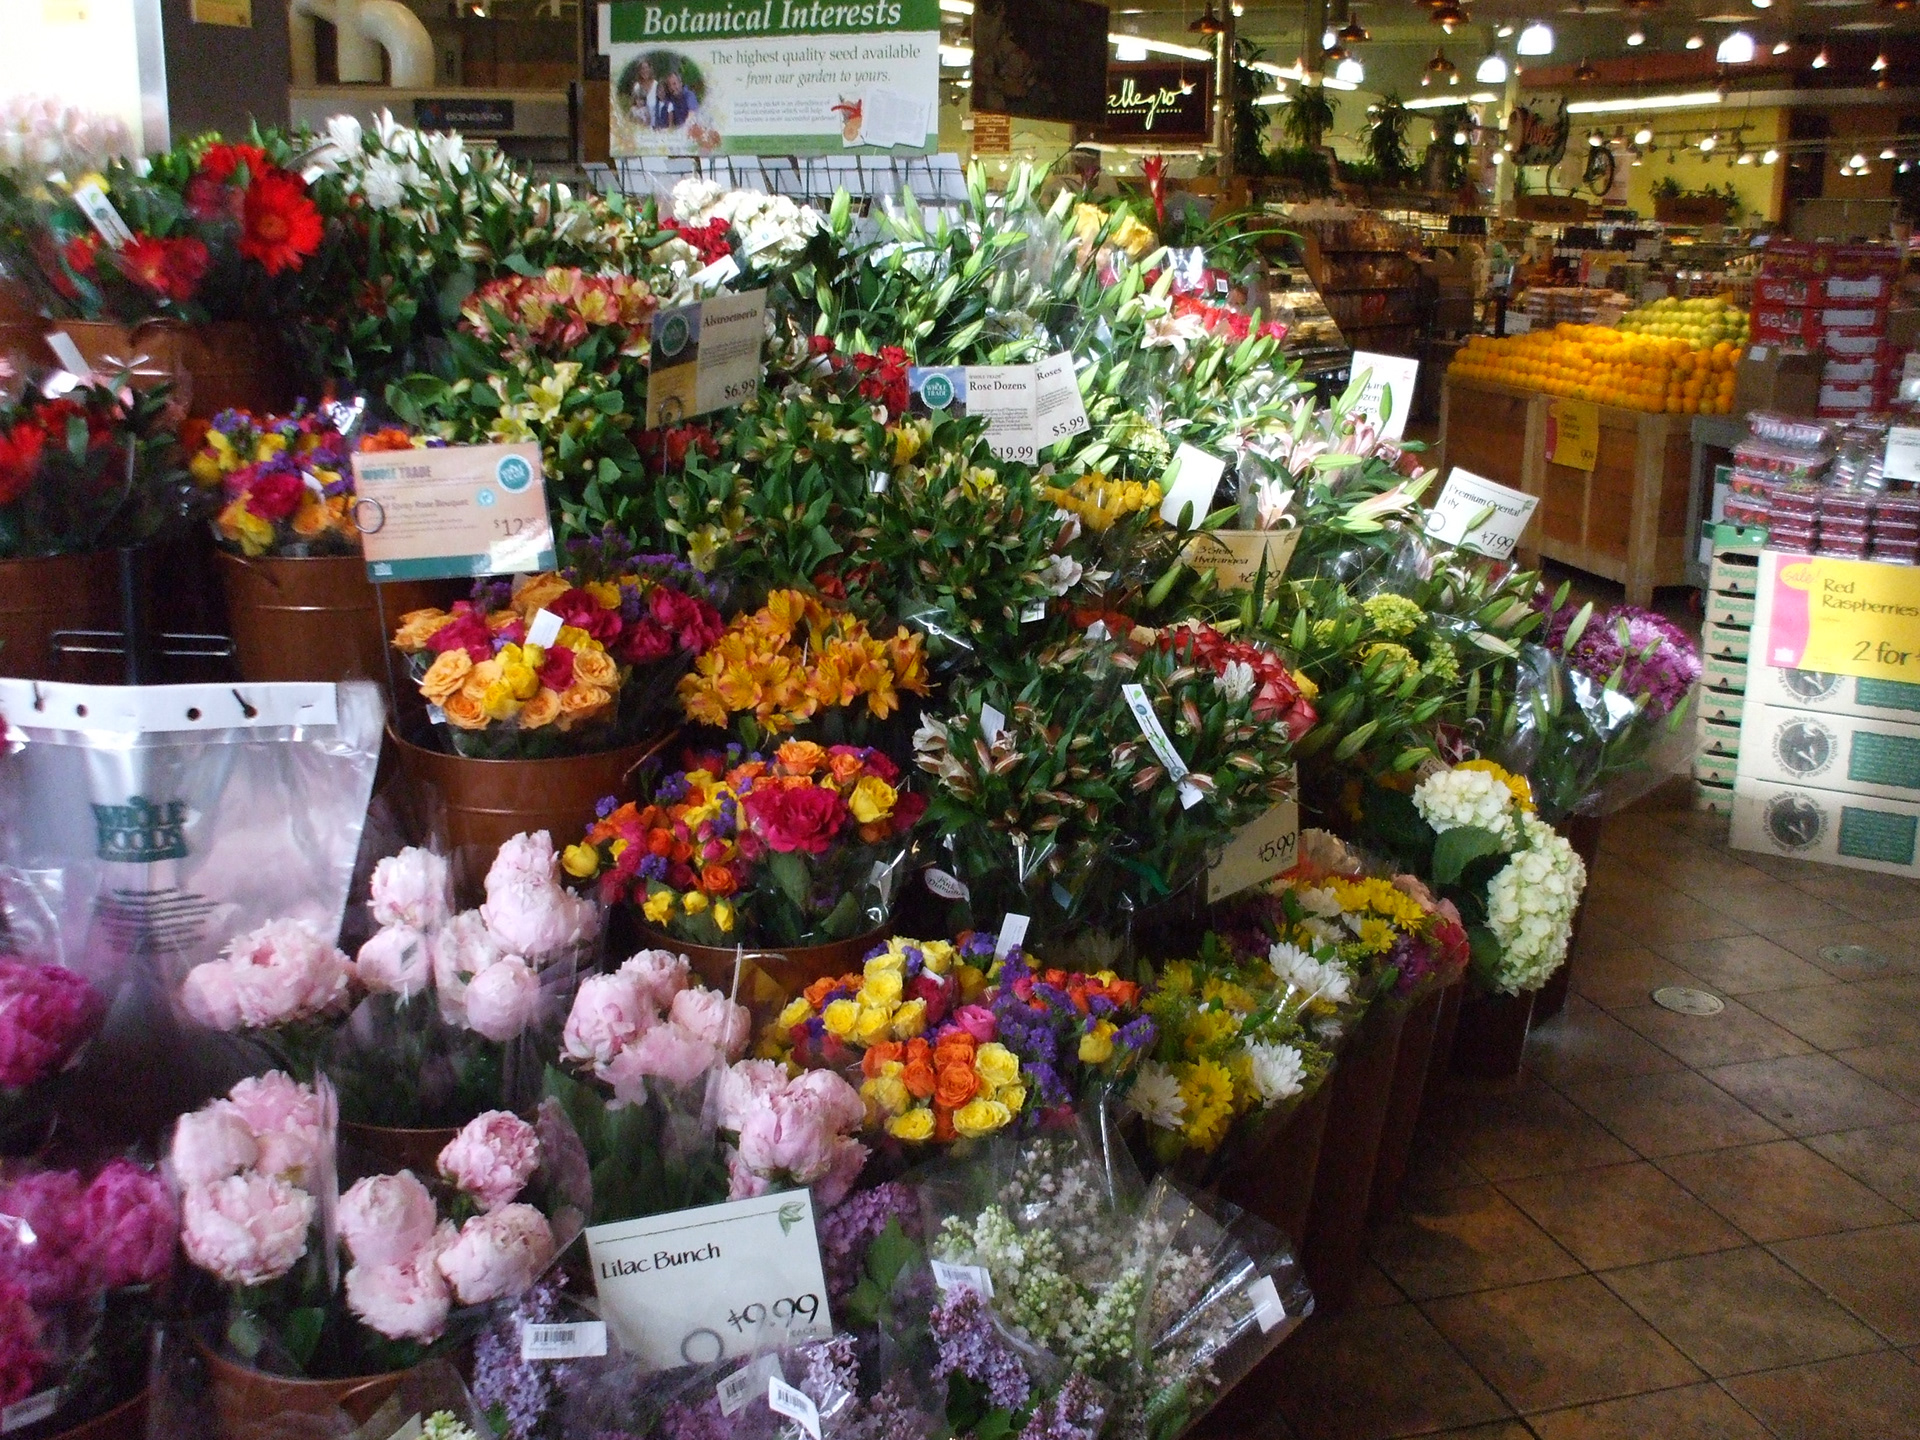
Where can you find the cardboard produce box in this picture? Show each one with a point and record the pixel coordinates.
(1835, 694)
(1770, 378)
(1806, 823)
(1830, 751)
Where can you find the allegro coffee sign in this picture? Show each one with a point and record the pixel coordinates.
(1169, 103)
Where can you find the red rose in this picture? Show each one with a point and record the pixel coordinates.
(907, 810)
(556, 672)
(693, 623)
(577, 608)
(20, 450)
(276, 494)
(930, 989)
(468, 632)
(805, 818)
(644, 643)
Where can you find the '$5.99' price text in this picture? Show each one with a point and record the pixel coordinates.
(802, 1310)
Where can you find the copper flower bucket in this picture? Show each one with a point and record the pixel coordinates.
(398, 1149)
(319, 618)
(125, 1421)
(42, 596)
(222, 366)
(248, 1402)
(775, 976)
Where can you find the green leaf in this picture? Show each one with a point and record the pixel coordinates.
(790, 874)
(1458, 848)
(300, 1332)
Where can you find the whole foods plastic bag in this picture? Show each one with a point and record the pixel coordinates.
(143, 828)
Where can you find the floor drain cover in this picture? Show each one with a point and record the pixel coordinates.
(1851, 955)
(1688, 1001)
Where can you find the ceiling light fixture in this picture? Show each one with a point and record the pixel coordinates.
(1209, 23)
(1781, 47)
(1354, 33)
(1492, 70)
(1688, 101)
(1636, 36)
(1887, 154)
(1459, 137)
(1335, 52)
(1820, 61)
(1350, 71)
(1879, 62)
(1735, 49)
(1744, 160)
(1536, 39)
(1642, 135)
(1859, 161)
(1329, 37)
(1769, 157)
(1585, 73)
(1503, 33)
(1449, 17)
(1707, 142)
(1440, 65)
(1694, 42)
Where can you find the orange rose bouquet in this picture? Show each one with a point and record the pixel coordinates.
(565, 663)
(800, 849)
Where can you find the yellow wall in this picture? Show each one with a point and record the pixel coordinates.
(1758, 184)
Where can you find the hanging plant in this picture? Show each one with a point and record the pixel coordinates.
(1386, 139)
(1306, 118)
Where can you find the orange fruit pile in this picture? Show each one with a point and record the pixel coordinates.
(1599, 363)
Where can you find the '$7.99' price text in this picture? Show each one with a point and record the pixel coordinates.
(802, 1310)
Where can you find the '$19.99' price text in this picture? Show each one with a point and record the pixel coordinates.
(802, 1310)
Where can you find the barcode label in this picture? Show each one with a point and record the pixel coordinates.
(582, 1340)
(740, 1387)
(951, 1277)
(783, 1399)
(1267, 1308)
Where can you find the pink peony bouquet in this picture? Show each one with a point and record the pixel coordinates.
(78, 1258)
(47, 1012)
(283, 985)
(460, 1003)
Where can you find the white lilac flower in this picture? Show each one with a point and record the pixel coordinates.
(1236, 681)
(1156, 1097)
(1530, 907)
(1454, 798)
(1279, 1071)
(1317, 979)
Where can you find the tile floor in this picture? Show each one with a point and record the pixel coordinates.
(1669, 1227)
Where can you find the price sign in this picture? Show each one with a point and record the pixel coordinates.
(461, 510)
(696, 1286)
(1268, 847)
(1573, 433)
(1235, 555)
(1189, 485)
(1387, 398)
(1480, 515)
(1005, 397)
(705, 357)
(1841, 617)
(1059, 410)
(1903, 452)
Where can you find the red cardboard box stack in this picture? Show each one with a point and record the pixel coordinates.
(1819, 296)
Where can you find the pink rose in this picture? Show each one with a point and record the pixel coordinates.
(805, 818)
(409, 1299)
(396, 961)
(667, 1052)
(526, 859)
(412, 890)
(46, 1013)
(385, 1219)
(498, 1254)
(247, 1229)
(210, 1144)
(282, 972)
(609, 1013)
(130, 1223)
(502, 999)
(492, 1158)
(43, 1238)
(461, 949)
(661, 975)
(742, 1182)
(286, 1119)
(539, 920)
(849, 1158)
(747, 1085)
(977, 1021)
(710, 1016)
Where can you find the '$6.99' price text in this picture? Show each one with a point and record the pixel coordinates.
(804, 1309)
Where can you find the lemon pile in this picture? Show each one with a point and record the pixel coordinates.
(1608, 366)
(1704, 323)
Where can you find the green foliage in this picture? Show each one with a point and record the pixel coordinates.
(1386, 136)
(1307, 116)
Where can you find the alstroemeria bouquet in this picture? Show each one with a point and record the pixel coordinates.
(285, 483)
(91, 468)
(47, 1013)
(629, 626)
(798, 849)
(1472, 833)
(214, 229)
(80, 1255)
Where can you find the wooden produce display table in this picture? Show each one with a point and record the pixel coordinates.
(1625, 519)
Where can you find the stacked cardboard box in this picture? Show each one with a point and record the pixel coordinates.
(1819, 297)
(1725, 641)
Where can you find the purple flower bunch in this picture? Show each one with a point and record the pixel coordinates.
(1073, 1413)
(47, 1012)
(520, 1392)
(969, 1345)
(1652, 655)
(1066, 1026)
(851, 1226)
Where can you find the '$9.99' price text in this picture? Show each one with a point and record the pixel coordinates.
(801, 1310)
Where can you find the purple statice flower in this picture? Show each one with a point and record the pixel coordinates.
(1137, 1035)
(654, 867)
(970, 1346)
(521, 1391)
(1074, 1413)
(1049, 1090)
(672, 790)
(605, 806)
(1653, 655)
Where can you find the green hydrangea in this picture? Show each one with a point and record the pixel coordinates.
(1442, 664)
(1393, 615)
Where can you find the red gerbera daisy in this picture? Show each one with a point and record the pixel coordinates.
(221, 161)
(80, 253)
(171, 269)
(19, 458)
(282, 227)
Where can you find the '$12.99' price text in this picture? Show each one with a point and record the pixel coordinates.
(802, 1310)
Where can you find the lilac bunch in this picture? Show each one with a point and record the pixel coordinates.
(516, 1393)
(970, 1345)
(851, 1226)
(1074, 1413)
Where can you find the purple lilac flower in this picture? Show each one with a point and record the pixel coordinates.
(850, 1227)
(681, 1421)
(890, 1414)
(1074, 1413)
(520, 1390)
(970, 1346)
(833, 1369)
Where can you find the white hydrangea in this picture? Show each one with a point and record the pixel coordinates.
(1454, 798)
(1326, 980)
(1530, 907)
(1156, 1097)
(1279, 1071)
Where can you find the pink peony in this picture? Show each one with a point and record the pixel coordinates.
(527, 859)
(282, 972)
(661, 975)
(407, 1301)
(461, 949)
(791, 1134)
(246, 1229)
(502, 999)
(210, 1144)
(842, 1104)
(742, 1181)
(708, 1015)
(46, 1013)
(396, 961)
(666, 1052)
(746, 1085)
(609, 1013)
(539, 920)
(43, 1237)
(849, 1158)
(498, 1254)
(386, 1219)
(21, 1359)
(492, 1158)
(412, 890)
(130, 1223)
(286, 1119)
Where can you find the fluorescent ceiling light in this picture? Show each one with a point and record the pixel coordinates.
(956, 57)
(1636, 36)
(1536, 39)
(1128, 48)
(1690, 101)
(1736, 49)
(1294, 72)
(956, 7)
(1279, 99)
(1441, 102)
(1350, 70)
(1492, 71)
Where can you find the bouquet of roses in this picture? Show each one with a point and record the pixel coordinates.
(627, 627)
(795, 662)
(47, 1013)
(799, 849)
(285, 483)
(91, 468)
(1473, 834)
(80, 1255)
